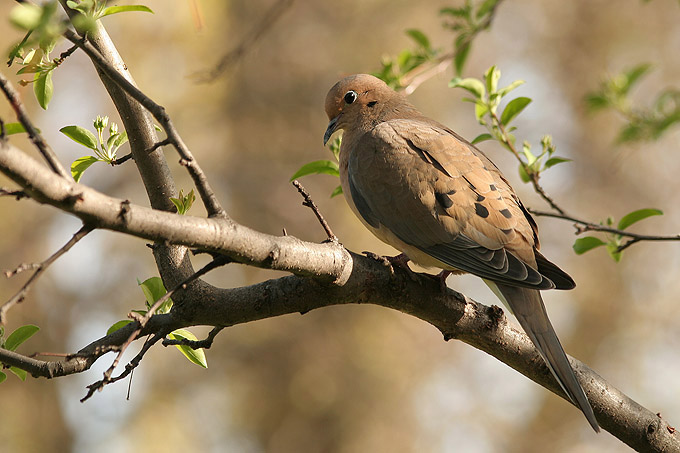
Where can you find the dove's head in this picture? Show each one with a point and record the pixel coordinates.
(359, 102)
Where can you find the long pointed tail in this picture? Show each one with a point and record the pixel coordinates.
(527, 306)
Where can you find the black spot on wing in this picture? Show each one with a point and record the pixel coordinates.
(444, 200)
(506, 213)
(481, 211)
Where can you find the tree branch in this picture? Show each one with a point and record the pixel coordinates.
(590, 226)
(340, 277)
(47, 153)
(40, 268)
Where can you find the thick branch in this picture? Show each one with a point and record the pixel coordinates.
(218, 235)
(356, 280)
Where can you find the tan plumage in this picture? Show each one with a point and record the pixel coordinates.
(423, 189)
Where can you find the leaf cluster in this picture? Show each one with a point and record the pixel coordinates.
(614, 243)
(643, 123)
(104, 150)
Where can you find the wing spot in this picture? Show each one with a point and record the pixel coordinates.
(492, 187)
(508, 231)
(480, 198)
(506, 213)
(444, 200)
(481, 211)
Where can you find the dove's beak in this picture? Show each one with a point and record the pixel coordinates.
(332, 127)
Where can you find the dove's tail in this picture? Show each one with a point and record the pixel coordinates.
(527, 306)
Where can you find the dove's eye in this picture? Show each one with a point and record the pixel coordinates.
(350, 97)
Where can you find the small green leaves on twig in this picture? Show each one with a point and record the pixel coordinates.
(104, 150)
(614, 242)
(467, 21)
(394, 70)
(327, 167)
(12, 342)
(487, 98)
(43, 29)
(643, 123)
(184, 202)
(93, 10)
(153, 290)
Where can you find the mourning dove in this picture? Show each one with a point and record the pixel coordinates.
(423, 189)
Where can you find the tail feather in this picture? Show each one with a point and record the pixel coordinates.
(527, 306)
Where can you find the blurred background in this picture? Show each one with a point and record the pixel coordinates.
(350, 378)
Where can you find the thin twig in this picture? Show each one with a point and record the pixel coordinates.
(99, 385)
(533, 176)
(48, 154)
(310, 204)
(195, 344)
(253, 36)
(590, 226)
(19, 194)
(41, 267)
(200, 180)
(125, 158)
(414, 78)
(64, 55)
(141, 323)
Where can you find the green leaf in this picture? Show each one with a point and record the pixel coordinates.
(20, 335)
(513, 109)
(80, 135)
(554, 161)
(3, 376)
(456, 12)
(481, 109)
(14, 128)
(125, 8)
(337, 191)
(196, 356)
(634, 74)
(79, 166)
(459, 59)
(582, 245)
(630, 133)
(26, 16)
(318, 167)
(419, 37)
(526, 149)
(43, 88)
(524, 176)
(597, 101)
(636, 216)
(481, 137)
(121, 139)
(505, 90)
(613, 250)
(485, 8)
(492, 76)
(153, 289)
(474, 86)
(118, 325)
(18, 372)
